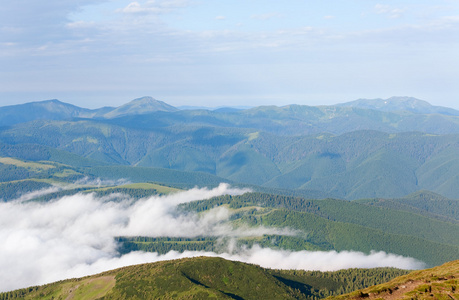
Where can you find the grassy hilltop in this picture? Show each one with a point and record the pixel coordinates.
(437, 283)
(217, 278)
(204, 278)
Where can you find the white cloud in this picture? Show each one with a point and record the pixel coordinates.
(80, 24)
(154, 7)
(322, 260)
(265, 257)
(443, 23)
(8, 44)
(42, 240)
(392, 13)
(97, 182)
(172, 3)
(135, 7)
(266, 16)
(220, 18)
(74, 236)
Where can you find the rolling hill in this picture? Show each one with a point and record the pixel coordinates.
(45, 110)
(203, 278)
(57, 110)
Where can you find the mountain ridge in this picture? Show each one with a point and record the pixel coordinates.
(57, 110)
(401, 104)
(359, 164)
(393, 109)
(203, 278)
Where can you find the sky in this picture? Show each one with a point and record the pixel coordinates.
(95, 53)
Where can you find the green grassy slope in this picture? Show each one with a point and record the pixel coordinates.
(436, 283)
(204, 278)
(20, 176)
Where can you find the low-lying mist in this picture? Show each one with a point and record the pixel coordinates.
(75, 236)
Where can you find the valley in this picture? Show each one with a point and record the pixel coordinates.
(148, 182)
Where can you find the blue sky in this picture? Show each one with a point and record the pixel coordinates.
(95, 53)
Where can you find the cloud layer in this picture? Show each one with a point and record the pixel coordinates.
(74, 236)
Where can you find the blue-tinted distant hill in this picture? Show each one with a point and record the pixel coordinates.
(46, 110)
(57, 110)
(401, 104)
(346, 152)
(295, 120)
(397, 114)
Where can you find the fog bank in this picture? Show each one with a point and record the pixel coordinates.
(74, 236)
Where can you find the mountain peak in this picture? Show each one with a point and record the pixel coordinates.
(146, 100)
(49, 101)
(143, 105)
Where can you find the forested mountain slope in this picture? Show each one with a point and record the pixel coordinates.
(358, 164)
(331, 224)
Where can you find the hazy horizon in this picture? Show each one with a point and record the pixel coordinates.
(210, 107)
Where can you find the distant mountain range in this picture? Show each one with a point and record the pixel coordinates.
(351, 113)
(57, 110)
(342, 151)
